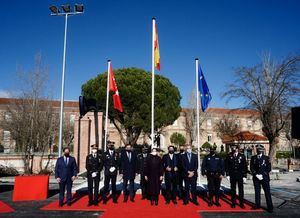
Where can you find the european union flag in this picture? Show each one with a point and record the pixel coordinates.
(205, 95)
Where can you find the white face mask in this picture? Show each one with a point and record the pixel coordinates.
(189, 150)
(94, 151)
(154, 153)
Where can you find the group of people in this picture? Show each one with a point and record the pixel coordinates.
(178, 169)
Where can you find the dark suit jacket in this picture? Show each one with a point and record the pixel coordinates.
(110, 161)
(236, 166)
(93, 164)
(63, 171)
(189, 166)
(260, 166)
(128, 168)
(167, 162)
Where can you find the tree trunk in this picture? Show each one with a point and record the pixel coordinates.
(272, 151)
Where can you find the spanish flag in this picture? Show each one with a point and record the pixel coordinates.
(156, 49)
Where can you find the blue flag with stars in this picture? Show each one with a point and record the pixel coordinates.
(205, 95)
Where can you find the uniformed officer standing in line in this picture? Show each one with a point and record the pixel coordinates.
(213, 169)
(180, 190)
(170, 164)
(260, 168)
(142, 160)
(236, 172)
(93, 165)
(111, 165)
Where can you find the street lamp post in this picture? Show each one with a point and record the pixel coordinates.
(66, 11)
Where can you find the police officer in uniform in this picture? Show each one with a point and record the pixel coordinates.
(236, 172)
(170, 164)
(142, 160)
(111, 164)
(93, 165)
(213, 169)
(260, 168)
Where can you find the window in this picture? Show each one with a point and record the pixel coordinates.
(72, 118)
(209, 137)
(6, 135)
(249, 123)
(208, 123)
(237, 123)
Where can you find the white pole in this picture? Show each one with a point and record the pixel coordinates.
(153, 78)
(62, 89)
(198, 118)
(107, 101)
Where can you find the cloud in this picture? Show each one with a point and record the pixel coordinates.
(5, 94)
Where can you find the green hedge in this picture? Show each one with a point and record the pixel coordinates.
(283, 154)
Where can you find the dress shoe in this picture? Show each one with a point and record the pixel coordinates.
(210, 204)
(167, 202)
(90, 204)
(69, 204)
(174, 202)
(232, 205)
(242, 206)
(255, 207)
(96, 203)
(185, 203)
(60, 204)
(218, 204)
(152, 203)
(195, 202)
(132, 200)
(156, 203)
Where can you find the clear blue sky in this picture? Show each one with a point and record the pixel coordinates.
(222, 34)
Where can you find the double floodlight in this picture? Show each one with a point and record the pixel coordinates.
(66, 9)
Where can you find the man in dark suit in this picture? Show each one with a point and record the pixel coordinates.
(260, 168)
(93, 165)
(236, 172)
(128, 170)
(65, 173)
(170, 164)
(213, 169)
(190, 167)
(180, 190)
(142, 161)
(111, 164)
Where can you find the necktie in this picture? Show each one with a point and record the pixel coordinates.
(129, 157)
(66, 161)
(189, 156)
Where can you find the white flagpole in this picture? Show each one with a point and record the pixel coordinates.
(107, 101)
(153, 78)
(198, 118)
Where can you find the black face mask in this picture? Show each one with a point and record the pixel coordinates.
(212, 152)
(181, 150)
(67, 154)
(171, 152)
(111, 148)
(145, 152)
(128, 150)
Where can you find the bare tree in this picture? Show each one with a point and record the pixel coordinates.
(227, 126)
(191, 118)
(32, 119)
(271, 88)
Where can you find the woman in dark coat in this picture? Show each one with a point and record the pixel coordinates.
(154, 176)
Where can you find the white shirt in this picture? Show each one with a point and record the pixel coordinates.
(171, 156)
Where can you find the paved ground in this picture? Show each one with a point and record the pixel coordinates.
(285, 194)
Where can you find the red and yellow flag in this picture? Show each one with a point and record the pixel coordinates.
(156, 50)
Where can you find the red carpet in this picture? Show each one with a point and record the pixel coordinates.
(142, 208)
(37, 190)
(4, 208)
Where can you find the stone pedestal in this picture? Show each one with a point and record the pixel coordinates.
(88, 130)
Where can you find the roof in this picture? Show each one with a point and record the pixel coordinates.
(55, 103)
(244, 136)
(223, 111)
